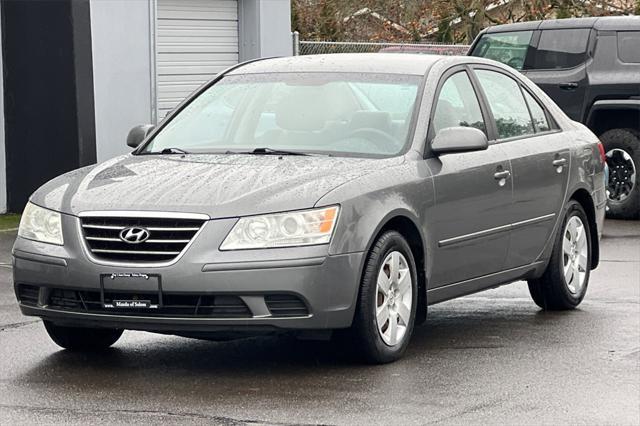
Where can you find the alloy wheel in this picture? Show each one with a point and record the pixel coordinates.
(622, 174)
(574, 253)
(394, 298)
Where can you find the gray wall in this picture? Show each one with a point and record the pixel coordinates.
(122, 76)
(3, 168)
(275, 28)
(265, 28)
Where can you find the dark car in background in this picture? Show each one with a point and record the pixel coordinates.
(591, 68)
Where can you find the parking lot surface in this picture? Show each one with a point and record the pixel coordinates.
(492, 357)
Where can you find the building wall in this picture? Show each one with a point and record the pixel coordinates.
(122, 71)
(265, 28)
(275, 28)
(3, 165)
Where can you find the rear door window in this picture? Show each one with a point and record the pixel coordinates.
(558, 49)
(629, 46)
(509, 48)
(507, 104)
(538, 115)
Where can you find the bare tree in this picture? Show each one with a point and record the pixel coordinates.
(444, 20)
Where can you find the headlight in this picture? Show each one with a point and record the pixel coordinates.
(300, 228)
(41, 225)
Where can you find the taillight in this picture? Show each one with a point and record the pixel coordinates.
(603, 156)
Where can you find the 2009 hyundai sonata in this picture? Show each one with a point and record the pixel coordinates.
(319, 193)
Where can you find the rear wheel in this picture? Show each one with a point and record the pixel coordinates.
(387, 301)
(564, 282)
(622, 148)
(82, 339)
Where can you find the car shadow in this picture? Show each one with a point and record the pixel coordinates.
(142, 361)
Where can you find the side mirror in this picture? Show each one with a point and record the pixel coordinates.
(459, 139)
(138, 134)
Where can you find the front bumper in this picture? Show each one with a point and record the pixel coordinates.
(326, 284)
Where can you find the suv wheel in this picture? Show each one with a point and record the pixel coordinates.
(564, 283)
(622, 147)
(82, 339)
(386, 310)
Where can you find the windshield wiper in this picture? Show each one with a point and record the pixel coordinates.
(270, 151)
(173, 151)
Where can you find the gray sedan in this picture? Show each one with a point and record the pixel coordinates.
(319, 195)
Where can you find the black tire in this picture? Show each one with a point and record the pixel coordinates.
(82, 339)
(369, 344)
(627, 140)
(551, 291)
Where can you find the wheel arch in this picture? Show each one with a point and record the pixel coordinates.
(406, 224)
(610, 115)
(583, 197)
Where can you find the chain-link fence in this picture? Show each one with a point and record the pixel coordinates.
(322, 47)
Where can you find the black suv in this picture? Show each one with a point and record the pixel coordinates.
(591, 68)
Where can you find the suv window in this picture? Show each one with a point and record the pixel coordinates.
(458, 105)
(509, 48)
(628, 46)
(559, 49)
(538, 115)
(507, 104)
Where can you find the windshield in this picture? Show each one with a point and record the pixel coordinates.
(509, 48)
(336, 114)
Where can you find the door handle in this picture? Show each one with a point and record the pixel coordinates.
(568, 86)
(502, 175)
(559, 162)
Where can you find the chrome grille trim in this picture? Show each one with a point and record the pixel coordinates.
(118, 228)
(156, 228)
(100, 232)
(151, 241)
(152, 228)
(144, 214)
(146, 252)
(102, 239)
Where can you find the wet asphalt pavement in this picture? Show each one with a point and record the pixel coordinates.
(493, 358)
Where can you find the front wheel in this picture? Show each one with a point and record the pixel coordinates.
(564, 283)
(387, 301)
(82, 339)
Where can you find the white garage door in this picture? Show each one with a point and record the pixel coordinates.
(195, 40)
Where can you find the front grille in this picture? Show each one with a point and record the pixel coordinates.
(286, 305)
(215, 306)
(173, 304)
(167, 237)
(28, 294)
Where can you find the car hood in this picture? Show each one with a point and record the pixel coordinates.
(216, 185)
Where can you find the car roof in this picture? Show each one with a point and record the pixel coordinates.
(623, 23)
(599, 23)
(382, 63)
